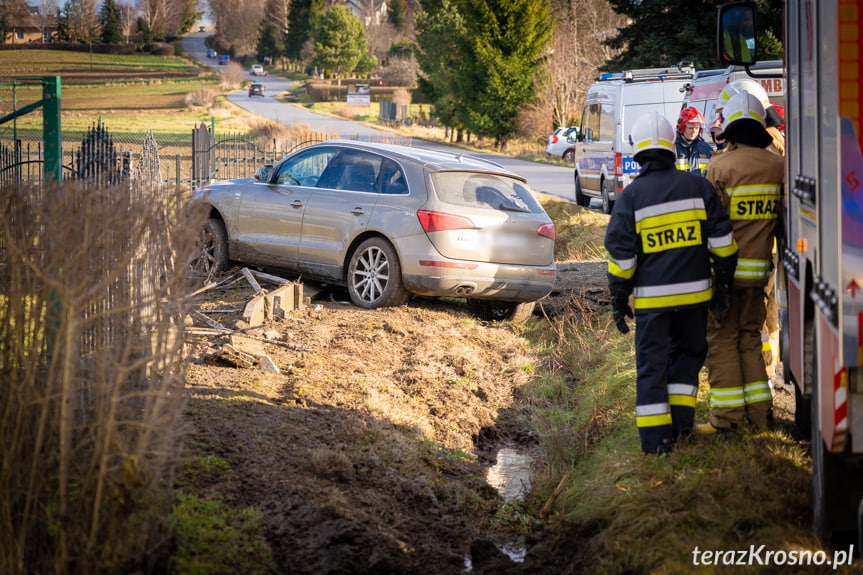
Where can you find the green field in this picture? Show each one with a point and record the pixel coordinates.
(130, 94)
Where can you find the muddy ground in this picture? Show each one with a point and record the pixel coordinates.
(367, 452)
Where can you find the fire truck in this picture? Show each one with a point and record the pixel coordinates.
(820, 273)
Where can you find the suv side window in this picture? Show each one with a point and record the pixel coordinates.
(353, 170)
(305, 169)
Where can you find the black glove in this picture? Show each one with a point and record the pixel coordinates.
(620, 310)
(721, 302)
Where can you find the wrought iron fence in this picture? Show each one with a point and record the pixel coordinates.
(98, 156)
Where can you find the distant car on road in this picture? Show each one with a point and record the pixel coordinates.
(212, 53)
(224, 59)
(388, 222)
(558, 144)
(258, 70)
(202, 28)
(256, 89)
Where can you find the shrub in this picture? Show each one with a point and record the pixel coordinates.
(91, 377)
(232, 76)
(204, 98)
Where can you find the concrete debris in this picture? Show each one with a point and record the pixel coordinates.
(266, 364)
(242, 348)
(236, 357)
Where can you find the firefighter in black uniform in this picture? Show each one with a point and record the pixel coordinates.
(667, 237)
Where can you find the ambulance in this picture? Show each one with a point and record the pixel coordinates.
(603, 155)
(703, 91)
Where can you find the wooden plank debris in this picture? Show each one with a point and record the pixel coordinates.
(210, 322)
(252, 281)
(272, 278)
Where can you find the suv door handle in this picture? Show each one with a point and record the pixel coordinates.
(296, 204)
(358, 211)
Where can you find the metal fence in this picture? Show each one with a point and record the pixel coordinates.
(99, 157)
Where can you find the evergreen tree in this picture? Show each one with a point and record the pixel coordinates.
(146, 32)
(340, 41)
(274, 27)
(504, 43)
(65, 17)
(440, 35)
(302, 18)
(665, 32)
(398, 14)
(109, 17)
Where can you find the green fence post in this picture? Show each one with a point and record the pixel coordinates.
(53, 169)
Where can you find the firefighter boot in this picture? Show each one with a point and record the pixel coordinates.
(710, 429)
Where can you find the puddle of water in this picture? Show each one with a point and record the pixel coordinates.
(511, 474)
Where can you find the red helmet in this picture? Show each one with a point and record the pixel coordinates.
(690, 116)
(781, 111)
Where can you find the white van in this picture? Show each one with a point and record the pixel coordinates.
(704, 89)
(603, 156)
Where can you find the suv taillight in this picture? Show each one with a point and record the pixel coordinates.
(440, 222)
(618, 164)
(546, 231)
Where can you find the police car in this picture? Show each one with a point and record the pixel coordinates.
(603, 155)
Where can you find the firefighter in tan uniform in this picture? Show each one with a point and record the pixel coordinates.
(774, 121)
(749, 180)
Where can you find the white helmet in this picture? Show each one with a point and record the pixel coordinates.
(743, 106)
(744, 85)
(652, 131)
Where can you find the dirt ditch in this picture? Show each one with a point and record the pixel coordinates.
(363, 436)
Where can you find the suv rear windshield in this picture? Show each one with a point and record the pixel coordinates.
(478, 190)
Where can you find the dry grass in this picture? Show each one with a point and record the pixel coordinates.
(579, 232)
(91, 288)
(232, 76)
(636, 514)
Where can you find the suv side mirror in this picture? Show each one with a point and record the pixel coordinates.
(264, 173)
(574, 136)
(735, 33)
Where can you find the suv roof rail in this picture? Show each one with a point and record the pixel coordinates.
(683, 70)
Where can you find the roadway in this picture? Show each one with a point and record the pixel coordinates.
(553, 180)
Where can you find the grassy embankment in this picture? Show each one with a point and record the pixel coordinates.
(635, 514)
(630, 513)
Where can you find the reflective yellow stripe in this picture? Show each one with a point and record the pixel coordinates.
(753, 269)
(653, 420)
(727, 397)
(684, 216)
(684, 400)
(621, 268)
(682, 394)
(757, 391)
(765, 342)
(673, 300)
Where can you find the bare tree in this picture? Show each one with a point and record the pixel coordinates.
(577, 53)
(166, 18)
(47, 12)
(237, 24)
(128, 20)
(83, 20)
